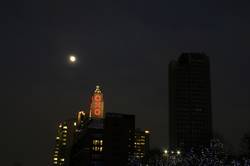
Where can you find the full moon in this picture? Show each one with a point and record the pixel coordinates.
(72, 58)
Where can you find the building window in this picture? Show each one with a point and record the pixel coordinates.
(97, 142)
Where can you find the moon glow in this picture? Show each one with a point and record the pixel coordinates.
(72, 58)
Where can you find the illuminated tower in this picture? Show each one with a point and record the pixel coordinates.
(88, 148)
(141, 143)
(97, 104)
(64, 141)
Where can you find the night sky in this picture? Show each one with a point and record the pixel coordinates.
(125, 47)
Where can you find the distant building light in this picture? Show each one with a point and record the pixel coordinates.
(62, 159)
(74, 123)
(57, 138)
(178, 152)
(165, 151)
(147, 132)
(55, 158)
(65, 127)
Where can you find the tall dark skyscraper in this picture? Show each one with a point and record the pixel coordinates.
(190, 114)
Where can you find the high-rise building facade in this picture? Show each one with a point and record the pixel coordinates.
(88, 148)
(64, 140)
(141, 143)
(118, 139)
(190, 114)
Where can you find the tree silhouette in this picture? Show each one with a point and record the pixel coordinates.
(245, 145)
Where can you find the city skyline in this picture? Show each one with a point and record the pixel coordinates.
(125, 47)
(96, 137)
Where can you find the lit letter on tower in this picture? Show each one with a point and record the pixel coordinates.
(97, 104)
